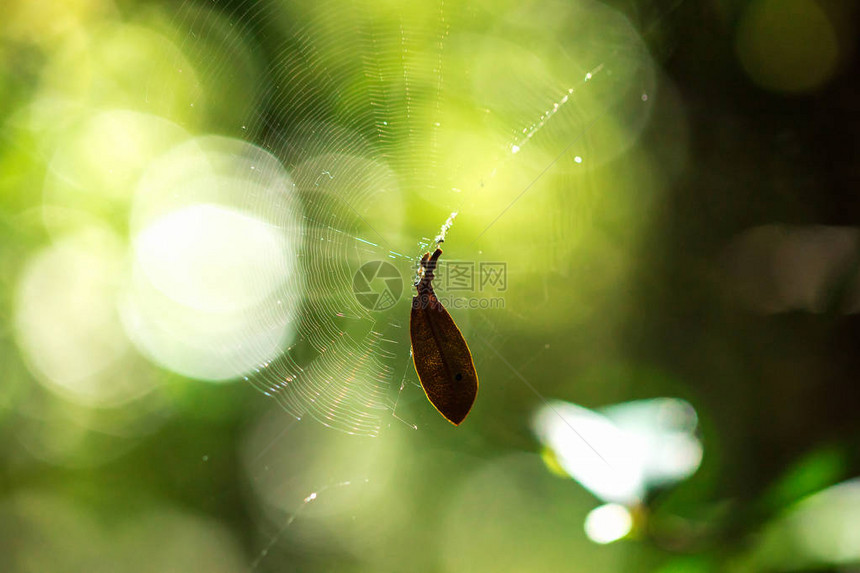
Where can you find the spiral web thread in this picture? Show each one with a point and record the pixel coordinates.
(358, 108)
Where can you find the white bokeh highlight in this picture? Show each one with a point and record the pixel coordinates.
(607, 523)
(211, 259)
(214, 286)
(66, 322)
(622, 451)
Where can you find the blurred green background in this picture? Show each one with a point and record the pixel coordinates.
(654, 257)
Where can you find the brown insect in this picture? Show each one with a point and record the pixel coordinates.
(442, 358)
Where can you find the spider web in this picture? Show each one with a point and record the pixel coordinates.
(388, 115)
